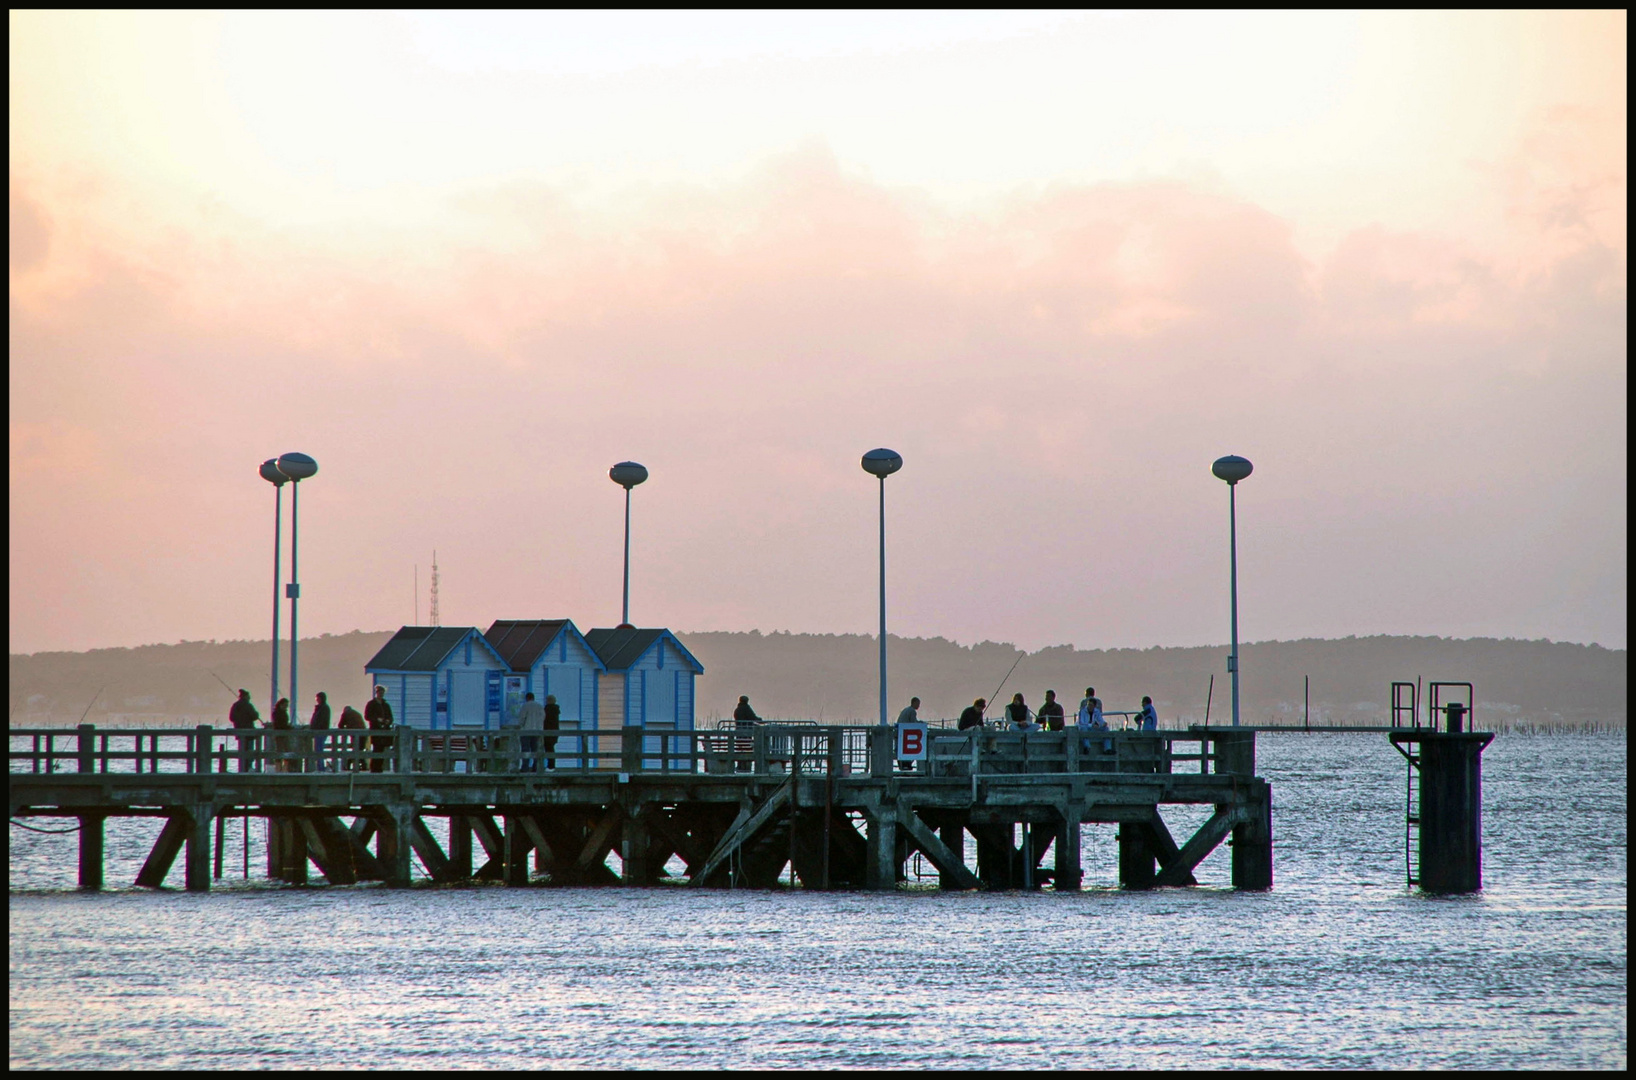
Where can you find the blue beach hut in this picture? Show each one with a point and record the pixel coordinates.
(548, 656)
(441, 677)
(647, 679)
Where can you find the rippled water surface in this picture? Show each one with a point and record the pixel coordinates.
(1339, 966)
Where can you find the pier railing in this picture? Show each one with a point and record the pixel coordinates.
(766, 750)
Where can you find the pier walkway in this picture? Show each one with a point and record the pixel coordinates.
(736, 806)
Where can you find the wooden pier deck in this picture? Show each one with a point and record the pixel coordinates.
(737, 807)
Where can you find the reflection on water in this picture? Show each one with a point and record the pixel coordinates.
(1338, 967)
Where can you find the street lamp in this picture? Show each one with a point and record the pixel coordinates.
(882, 463)
(297, 467)
(1232, 469)
(270, 473)
(627, 474)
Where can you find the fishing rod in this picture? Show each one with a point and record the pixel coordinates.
(229, 689)
(997, 689)
(93, 701)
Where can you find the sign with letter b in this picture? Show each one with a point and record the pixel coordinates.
(911, 742)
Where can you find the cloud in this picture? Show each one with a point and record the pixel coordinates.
(1057, 372)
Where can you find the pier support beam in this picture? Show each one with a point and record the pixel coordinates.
(1069, 874)
(197, 870)
(460, 847)
(882, 868)
(1137, 864)
(1252, 843)
(171, 839)
(91, 851)
(954, 839)
(393, 845)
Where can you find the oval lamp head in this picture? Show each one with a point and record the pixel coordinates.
(296, 466)
(1232, 468)
(270, 473)
(882, 462)
(627, 474)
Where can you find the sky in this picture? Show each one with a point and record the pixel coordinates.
(1059, 261)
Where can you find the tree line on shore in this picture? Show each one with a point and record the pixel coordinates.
(1529, 685)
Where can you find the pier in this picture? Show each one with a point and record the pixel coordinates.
(737, 807)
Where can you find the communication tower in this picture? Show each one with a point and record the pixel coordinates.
(435, 621)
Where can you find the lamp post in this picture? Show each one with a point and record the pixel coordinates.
(270, 473)
(297, 467)
(627, 474)
(882, 463)
(1232, 469)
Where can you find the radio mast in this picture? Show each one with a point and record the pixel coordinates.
(434, 588)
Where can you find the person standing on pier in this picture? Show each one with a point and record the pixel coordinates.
(378, 714)
(243, 716)
(973, 715)
(1148, 718)
(1051, 712)
(531, 722)
(745, 720)
(909, 715)
(351, 720)
(281, 743)
(320, 722)
(551, 722)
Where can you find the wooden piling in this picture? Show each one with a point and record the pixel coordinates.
(1138, 866)
(91, 851)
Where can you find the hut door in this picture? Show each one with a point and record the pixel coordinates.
(493, 698)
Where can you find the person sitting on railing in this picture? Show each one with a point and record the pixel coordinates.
(1090, 711)
(972, 717)
(1020, 716)
(1148, 718)
(745, 720)
(1051, 712)
(244, 716)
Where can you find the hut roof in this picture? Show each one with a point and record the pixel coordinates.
(422, 648)
(621, 647)
(521, 642)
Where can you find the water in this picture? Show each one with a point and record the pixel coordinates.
(1338, 967)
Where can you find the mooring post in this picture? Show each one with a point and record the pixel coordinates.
(91, 847)
(198, 846)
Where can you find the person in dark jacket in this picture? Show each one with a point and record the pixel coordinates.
(281, 743)
(1051, 712)
(320, 722)
(351, 720)
(378, 714)
(244, 717)
(552, 722)
(972, 717)
(745, 720)
(1018, 714)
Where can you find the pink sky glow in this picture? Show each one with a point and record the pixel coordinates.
(1419, 341)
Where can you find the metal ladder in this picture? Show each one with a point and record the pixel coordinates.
(1406, 707)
